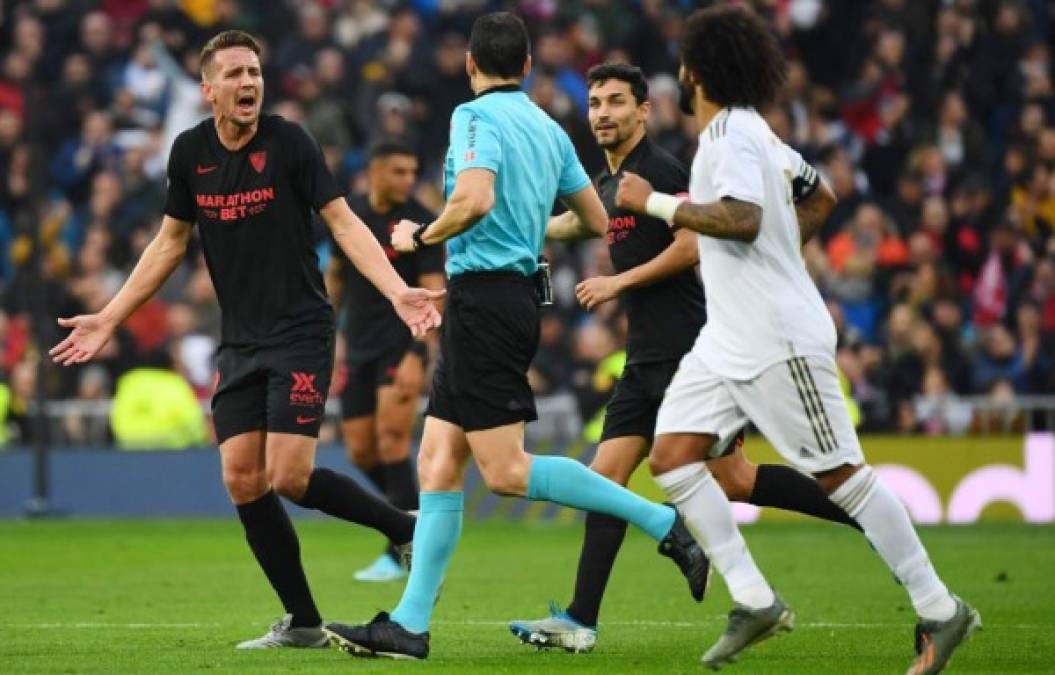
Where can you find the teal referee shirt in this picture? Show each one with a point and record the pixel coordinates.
(534, 163)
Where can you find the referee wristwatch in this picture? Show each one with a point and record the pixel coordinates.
(416, 237)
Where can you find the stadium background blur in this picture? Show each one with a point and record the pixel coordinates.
(934, 121)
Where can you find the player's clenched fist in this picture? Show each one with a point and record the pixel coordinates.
(403, 236)
(633, 192)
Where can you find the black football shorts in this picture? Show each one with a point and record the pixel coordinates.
(273, 388)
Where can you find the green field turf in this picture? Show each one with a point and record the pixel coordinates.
(175, 596)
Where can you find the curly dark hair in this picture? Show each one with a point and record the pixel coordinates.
(733, 54)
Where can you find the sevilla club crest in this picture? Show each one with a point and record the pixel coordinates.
(258, 160)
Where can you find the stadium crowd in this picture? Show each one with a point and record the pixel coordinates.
(934, 122)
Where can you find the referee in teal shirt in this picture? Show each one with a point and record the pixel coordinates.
(507, 164)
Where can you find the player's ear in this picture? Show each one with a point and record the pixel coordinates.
(206, 91)
(527, 66)
(470, 65)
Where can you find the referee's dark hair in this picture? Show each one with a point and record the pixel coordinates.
(499, 44)
(624, 72)
(731, 52)
(226, 40)
(388, 147)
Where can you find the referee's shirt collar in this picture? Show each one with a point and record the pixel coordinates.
(498, 88)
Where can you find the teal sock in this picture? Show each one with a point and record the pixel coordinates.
(565, 481)
(436, 534)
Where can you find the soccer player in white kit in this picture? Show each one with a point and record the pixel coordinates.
(767, 352)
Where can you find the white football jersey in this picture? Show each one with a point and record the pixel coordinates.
(762, 305)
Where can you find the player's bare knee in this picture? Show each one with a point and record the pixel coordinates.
(736, 486)
(393, 445)
(362, 457)
(735, 476)
(438, 472)
(290, 483)
(244, 484)
(613, 472)
(507, 478)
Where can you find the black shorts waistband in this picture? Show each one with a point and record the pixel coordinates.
(475, 278)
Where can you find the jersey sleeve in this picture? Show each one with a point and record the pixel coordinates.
(737, 164)
(572, 176)
(179, 201)
(804, 178)
(475, 142)
(311, 177)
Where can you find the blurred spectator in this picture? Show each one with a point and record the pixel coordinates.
(84, 426)
(999, 363)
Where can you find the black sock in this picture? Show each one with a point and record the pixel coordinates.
(785, 488)
(341, 497)
(604, 536)
(376, 475)
(274, 543)
(401, 489)
(400, 486)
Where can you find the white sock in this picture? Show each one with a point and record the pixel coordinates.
(887, 526)
(709, 517)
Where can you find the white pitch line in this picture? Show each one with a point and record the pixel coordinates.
(471, 622)
(93, 624)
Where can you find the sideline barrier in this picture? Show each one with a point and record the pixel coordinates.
(941, 480)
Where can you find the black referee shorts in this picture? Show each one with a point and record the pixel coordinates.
(490, 335)
(635, 402)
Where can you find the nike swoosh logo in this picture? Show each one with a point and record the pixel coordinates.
(206, 169)
(305, 420)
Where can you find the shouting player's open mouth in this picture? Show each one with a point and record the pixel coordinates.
(246, 104)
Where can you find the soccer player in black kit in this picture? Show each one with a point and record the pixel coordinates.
(251, 182)
(386, 365)
(665, 309)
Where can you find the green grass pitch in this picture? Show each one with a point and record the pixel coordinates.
(175, 596)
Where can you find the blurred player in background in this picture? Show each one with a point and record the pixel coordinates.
(251, 182)
(386, 364)
(766, 353)
(657, 280)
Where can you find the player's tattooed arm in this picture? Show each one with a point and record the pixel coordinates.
(727, 218)
(814, 210)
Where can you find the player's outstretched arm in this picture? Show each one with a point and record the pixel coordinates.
(159, 259)
(814, 210)
(682, 254)
(413, 305)
(726, 218)
(584, 218)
